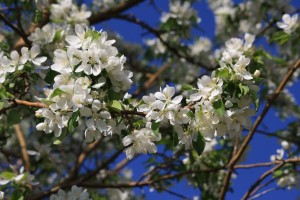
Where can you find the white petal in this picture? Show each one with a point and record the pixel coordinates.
(84, 111)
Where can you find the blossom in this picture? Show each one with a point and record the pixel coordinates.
(183, 13)
(208, 88)
(240, 69)
(65, 10)
(288, 180)
(76, 193)
(142, 142)
(279, 156)
(54, 121)
(43, 35)
(288, 23)
(200, 45)
(5, 67)
(31, 55)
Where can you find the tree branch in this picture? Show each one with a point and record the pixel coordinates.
(265, 175)
(112, 12)
(158, 33)
(15, 29)
(22, 142)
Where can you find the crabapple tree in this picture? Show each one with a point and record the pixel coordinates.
(82, 109)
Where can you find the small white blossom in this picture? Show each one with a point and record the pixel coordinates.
(141, 141)
(288, 23)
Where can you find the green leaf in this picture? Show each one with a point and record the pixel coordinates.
(7, 175)
(219, 106)
(47, 102)
(50, 76)
(199, 145)
(223, 73)
(190, 114)
(155, 128)
(244, 89)
(57, 142)
(17, 195)
(116, 106)
(112, 95)
(2, 93)
(280, 37)
(187, 87)
(254, 98)
(58, 36)
(139, 123)
(14, 117)
(175, 139)
(1, 105)
(57, 92)
(72, 123)
(278, 173)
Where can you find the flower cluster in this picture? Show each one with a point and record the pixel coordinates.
(9, 64)
(76, 193)
(140, 141)
(220, 106)
(182, 13)
(86, 69)
(65, 10)
(160, 106)
(23, 178)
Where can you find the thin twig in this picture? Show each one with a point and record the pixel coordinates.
(150, 82)
(158, 34)
(265, 175)
(22, 142)
(15, 29)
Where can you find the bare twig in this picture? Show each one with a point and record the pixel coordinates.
(15, 29)
(22, 142)
(150, 82)
(265, 175)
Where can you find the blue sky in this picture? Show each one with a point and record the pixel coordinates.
(261, 147)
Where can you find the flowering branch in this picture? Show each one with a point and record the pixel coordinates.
(158, 33)
(247, 140)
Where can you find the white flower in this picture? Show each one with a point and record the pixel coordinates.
(5, 67)
(76, 193)
(181, 12)
(65, 10)
(208, 88)
(200, 45)
(43, 35)
(77, 40)
(240, 69)
(54, 121)
(32, 55)
(285, 145)
(288, 23)
(279, 156)
(64, 61)
(142, 142)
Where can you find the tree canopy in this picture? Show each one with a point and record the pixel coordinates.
(83, 110)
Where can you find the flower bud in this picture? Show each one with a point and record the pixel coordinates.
(256, 73)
